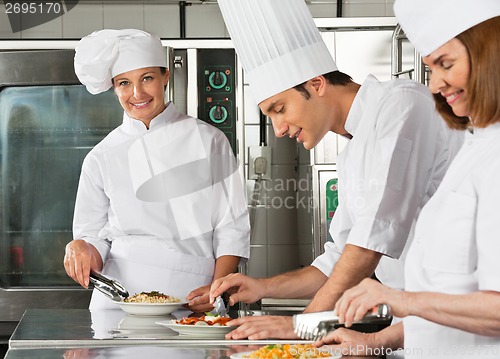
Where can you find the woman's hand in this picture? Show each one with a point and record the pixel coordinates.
(357, 301)
(199, 300)
(80, 257)
(353, 343)
(349, 342)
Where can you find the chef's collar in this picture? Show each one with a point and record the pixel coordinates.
(484, 132)
(357, 108)
(133, 126)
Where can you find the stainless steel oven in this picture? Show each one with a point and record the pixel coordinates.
(48, 123)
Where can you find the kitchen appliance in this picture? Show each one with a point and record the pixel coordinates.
(48, 123)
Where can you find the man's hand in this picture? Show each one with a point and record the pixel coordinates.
(262, 327)
(241, 287)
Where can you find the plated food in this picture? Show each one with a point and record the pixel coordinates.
(203, 327)
(205, 320)
(289, 351)
(151, 297)
(150, 303)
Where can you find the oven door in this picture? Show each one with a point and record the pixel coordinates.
(48, 123)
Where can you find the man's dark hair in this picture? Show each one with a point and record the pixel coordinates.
(333, 77)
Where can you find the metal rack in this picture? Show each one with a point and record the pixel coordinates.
(418, 71)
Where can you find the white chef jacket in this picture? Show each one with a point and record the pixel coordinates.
(393, 164)
(169, 245)
(456, 247)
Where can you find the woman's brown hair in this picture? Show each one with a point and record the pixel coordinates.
(483, 45)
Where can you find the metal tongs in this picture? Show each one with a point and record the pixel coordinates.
(314, 326)
(219, 307)
(110, 287)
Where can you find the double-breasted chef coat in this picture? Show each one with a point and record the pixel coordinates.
(393, 164)
(194, 208)
(457, 246)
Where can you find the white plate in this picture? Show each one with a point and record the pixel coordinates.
(205, 331)
(142, 321)
(150, 308)
(244, 355)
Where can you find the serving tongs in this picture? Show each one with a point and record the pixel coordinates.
(219, 307)
(110, 287)
(314, 326)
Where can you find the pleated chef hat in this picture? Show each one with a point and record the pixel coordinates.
(429, 24)
(277, 43)
(104, 54)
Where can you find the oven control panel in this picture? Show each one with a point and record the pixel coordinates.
(216, 90)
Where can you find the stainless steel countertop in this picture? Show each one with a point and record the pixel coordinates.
(66, 328)
(132, 352)
(80, 333)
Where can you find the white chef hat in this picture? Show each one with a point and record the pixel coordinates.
(277, 42)
(104, 54)
(429, 24)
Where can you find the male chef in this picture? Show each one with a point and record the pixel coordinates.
(398, 151)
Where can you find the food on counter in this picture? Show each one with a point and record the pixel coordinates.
(151, 297)
(204, 320)
(290, 351)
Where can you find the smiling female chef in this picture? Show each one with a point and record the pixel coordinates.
(451, 306)
(160, 204)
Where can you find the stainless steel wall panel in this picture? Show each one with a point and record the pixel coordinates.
(282, 258)
(282, 226)
(257, 264)
(284, 148)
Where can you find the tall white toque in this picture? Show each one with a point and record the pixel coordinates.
(429, 24)
(277, 43)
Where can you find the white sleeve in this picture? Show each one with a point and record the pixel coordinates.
(326, 261)
(230, 218)
(91, 207)
(408, 147)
